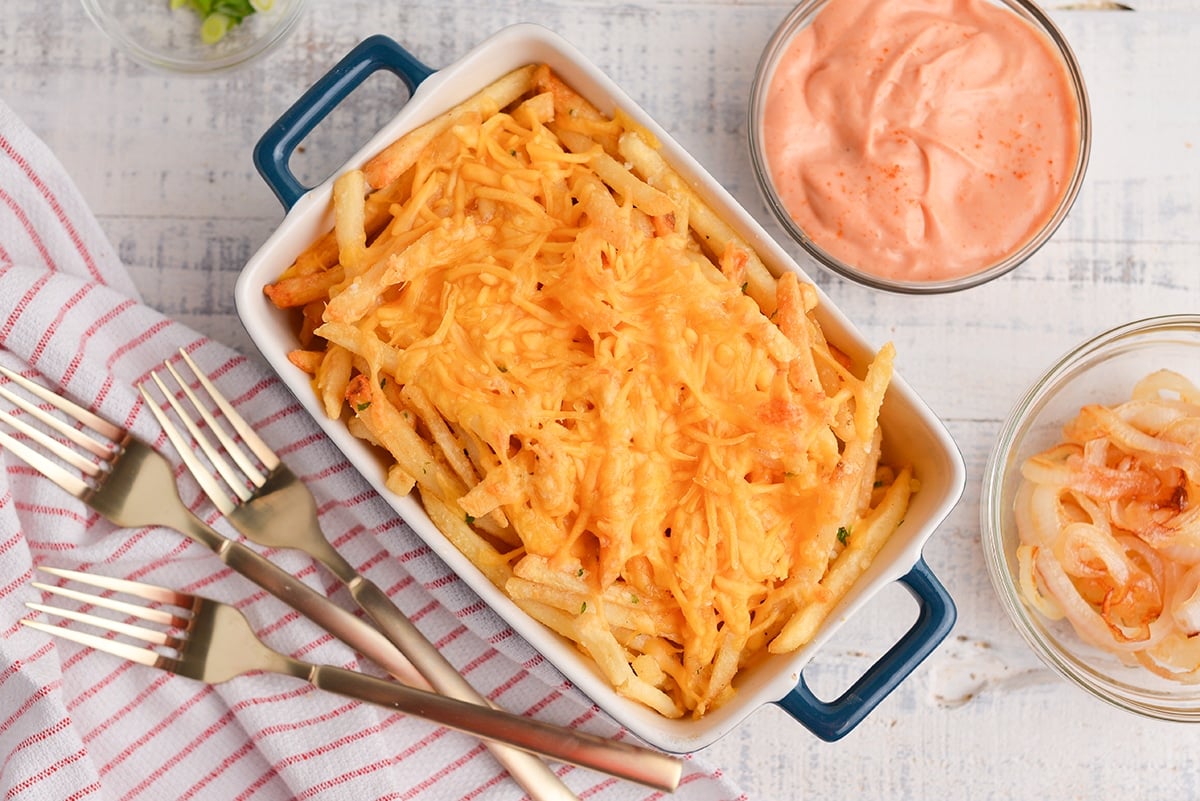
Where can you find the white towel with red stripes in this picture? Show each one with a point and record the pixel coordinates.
(78, 724)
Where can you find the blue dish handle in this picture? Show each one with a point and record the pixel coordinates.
(274, 149)
(835, 719)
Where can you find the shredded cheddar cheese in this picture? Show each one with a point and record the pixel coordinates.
(591, 404)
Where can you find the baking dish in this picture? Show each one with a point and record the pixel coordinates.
(914, 434)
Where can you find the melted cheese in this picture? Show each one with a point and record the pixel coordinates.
(632, 414)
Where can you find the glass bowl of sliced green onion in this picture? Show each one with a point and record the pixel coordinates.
(195, 36)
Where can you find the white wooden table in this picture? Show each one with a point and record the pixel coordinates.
(165, 163)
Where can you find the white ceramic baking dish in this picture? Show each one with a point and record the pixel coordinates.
(913, 434)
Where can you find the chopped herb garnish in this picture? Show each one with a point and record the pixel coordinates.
(470, 519)
(362, 407)
(218, 16)
(579, 573)
(843, 534)
(583, 607)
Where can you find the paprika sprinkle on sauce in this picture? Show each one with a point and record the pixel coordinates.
(920, 140)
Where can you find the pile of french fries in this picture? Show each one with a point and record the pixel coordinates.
(602, 396)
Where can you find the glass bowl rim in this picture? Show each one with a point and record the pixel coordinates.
(802, 14)
(267, 41)
(991, 519)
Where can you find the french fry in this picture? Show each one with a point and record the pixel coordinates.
(535, 111)
(307, 360)
(298, 290)
(863, 543)
(624, 182)
(555, 619)
(350, 226)
(446, 440)
(398, 481)
(646, 693)
(713, 232)
(333, 374)
(385, 358)
(394, 429)
(391, 162)
(440, 245)
(322, 255)
(574, 112)
(536, 579)
(721, 674)
(453, 524)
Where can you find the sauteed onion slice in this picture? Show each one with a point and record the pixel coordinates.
(1109, 526)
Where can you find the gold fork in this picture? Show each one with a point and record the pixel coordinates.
(133, 486)
(265, 501)
(213, 642)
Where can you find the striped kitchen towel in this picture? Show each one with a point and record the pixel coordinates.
(79, 724)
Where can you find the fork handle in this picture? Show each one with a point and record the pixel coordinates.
(401, 631)
(392, 650)
(527, 770)
(404, 634)
(624, 760)
(352, 630)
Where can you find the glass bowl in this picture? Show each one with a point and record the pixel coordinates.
(801, 17)
(157, 35)
(1102, 370)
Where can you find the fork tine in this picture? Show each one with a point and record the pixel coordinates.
(133, 653)
(210, 486)
(100, 449)
(71, 457)
(133, 610)
(63, 478)
(232, 479)
(152, 636)
(243, 429)
(148, 592)
(232, 448)
(92, 421)
(69, 481)
(138, 589)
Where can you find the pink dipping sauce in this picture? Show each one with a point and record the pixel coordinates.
(920, 140)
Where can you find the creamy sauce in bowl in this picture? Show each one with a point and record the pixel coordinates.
(920, 140)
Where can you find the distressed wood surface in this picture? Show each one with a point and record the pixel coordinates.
(165, 163)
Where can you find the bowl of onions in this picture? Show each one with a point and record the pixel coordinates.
(1090, 517)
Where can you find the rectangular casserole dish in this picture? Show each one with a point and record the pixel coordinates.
(912, 433)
